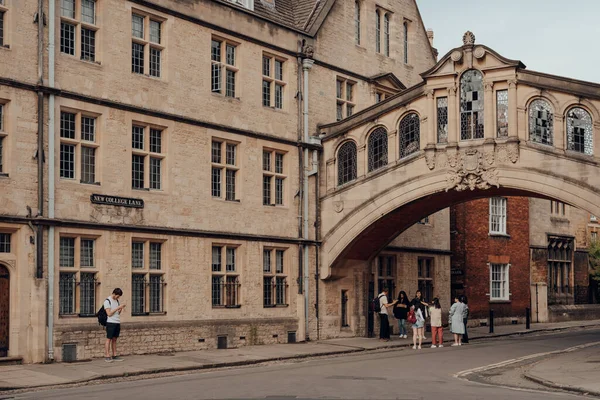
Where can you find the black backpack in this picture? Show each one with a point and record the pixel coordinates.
(376, 306)
(102, 315)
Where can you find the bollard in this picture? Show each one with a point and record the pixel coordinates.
(527, 318)
(491, 321)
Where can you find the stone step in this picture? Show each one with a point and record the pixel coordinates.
(11, 361)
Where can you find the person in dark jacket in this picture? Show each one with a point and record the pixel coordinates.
(421, 304)
(465, 338)
(400, 310)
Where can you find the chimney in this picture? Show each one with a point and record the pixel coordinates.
(430, 36)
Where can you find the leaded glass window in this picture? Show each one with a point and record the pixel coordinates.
(346, 160)
(541, 122)
(442, 119)
(502, 113)
(357, 22)
(378, 149)
(579, 131)
(410, 128)
(471, 105)
(377, 31)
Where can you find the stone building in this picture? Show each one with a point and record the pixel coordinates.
(161, 146)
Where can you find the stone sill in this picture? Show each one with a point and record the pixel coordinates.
(499, 235)
(276, 306)
(500, 301)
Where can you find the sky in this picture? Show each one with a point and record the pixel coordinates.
(553, 36)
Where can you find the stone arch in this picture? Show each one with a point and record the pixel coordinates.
(390, 212)
(583, 103)
(542, 94)
(368, 129)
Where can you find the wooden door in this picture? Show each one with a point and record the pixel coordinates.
(4, 310)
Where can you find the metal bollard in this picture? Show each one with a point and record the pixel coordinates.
(527, 318)
(491, 321)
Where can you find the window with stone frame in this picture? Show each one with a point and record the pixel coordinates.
(357, 22)
(378, 149)
(148, 153)
(223, 66)
(410, 141)
(558, 209)
(377, 31)
(224, 169)
(147, 44)
(386, 275)
(442, 119)
(78, 24)
(225, 283)
(345, 98)
(249, 4)
(273, 177)
(78, 141)
(541, 122)
(502, 113)
(3, 19)
(78, 276)
(5, 238)
(274, 278)
(346, 163)
(471, 105)
(3, 140)
(425, 277)
(499, 282)
(386, 34)
(580, 131)
(405, 40)
(273, 82)
(560, 258)
(498, 215)
(148, 280)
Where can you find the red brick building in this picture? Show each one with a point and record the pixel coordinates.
(490, 256)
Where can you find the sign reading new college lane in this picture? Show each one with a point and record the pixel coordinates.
(117, 201)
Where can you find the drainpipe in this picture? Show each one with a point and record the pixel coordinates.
(299, 97)
(39, 272)
(306, 66)
(51, 177)
(317, 236)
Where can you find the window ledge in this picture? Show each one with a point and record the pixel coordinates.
(276, 306)
(141, 189)
(140, 314)
(499, 235)
(90, 183)
(68, 316)
(86, 316)
(158, 313)
(219, 306)
(3, 175)
(500, 301)
(222, 96)
(5, 47)
(150, 77)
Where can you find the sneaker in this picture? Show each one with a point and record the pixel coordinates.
(460, 344)
(433, 346)
(405, 336)
(424, 338)
(455, 344)
(419, 347)
(414, 347)
(117, 358)
(441, 345)
(108, 359)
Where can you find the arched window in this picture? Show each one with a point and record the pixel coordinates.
(541, 122)
(357, 22)
(386, 34)
(471, 105)
(410, 128)
(346, 161)
(579, 131)
(378, 149)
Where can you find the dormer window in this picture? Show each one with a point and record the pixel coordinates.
(249, 4)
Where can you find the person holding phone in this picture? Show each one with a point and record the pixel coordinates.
(113, 324)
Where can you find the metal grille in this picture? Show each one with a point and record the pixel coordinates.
(88, 128)
(66, 293)
(155, 140)
(230, 54)
(278, 96)
(155, 55)
(225, 291)
(410, 127)
(155, 255)
(471, 105)
(137, 171)
(216, 152)
(346, 160)
(278, 163)
(266, 93)
(67, 125)
(502, 113)
(279, 191)
(67, 161)
(216, 258)
(88, 164)
(579, 131)
(498, 215)
(217, 285)
(155, 31)
(138, 294)
(216, 182)
(230, 154)
(157, 285)
(155, 174)
(267, 161)
(5, 242)
(230, 263)
(344, 308)
(137, 58)
(86, 253)
(279, 261)
(541, 122)
(88, 44)
(67, 38)
(280, 286)
(66, 252)
(137, 26)
(230, 83)
(268, 290)
(386, 34)
(378, 149)
(357, 22)
(87, 288)
(442, 119)
(137, 254)
(67, 8)
(266, 190)
(137, 137)
(560, 255)
(266, 66)
(88, 11)
(230, 185)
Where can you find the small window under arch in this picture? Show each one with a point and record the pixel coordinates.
(346, 161)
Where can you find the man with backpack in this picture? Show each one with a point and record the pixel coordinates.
(112, 309)
(381, 305)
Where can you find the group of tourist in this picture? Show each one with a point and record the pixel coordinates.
(416, 312)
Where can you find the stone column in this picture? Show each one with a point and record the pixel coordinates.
(431, 140)
(560, 134)
(361, 161)
(512, 108)
(489, 104)
(393, 146)
(453, 110)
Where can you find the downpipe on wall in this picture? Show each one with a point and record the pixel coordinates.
(51, 178)
(39, 241)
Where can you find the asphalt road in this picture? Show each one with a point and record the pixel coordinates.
(392, 374)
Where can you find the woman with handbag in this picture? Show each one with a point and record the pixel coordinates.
(416, 318)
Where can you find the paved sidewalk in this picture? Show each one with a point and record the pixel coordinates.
(36, 375)
(576, 371)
